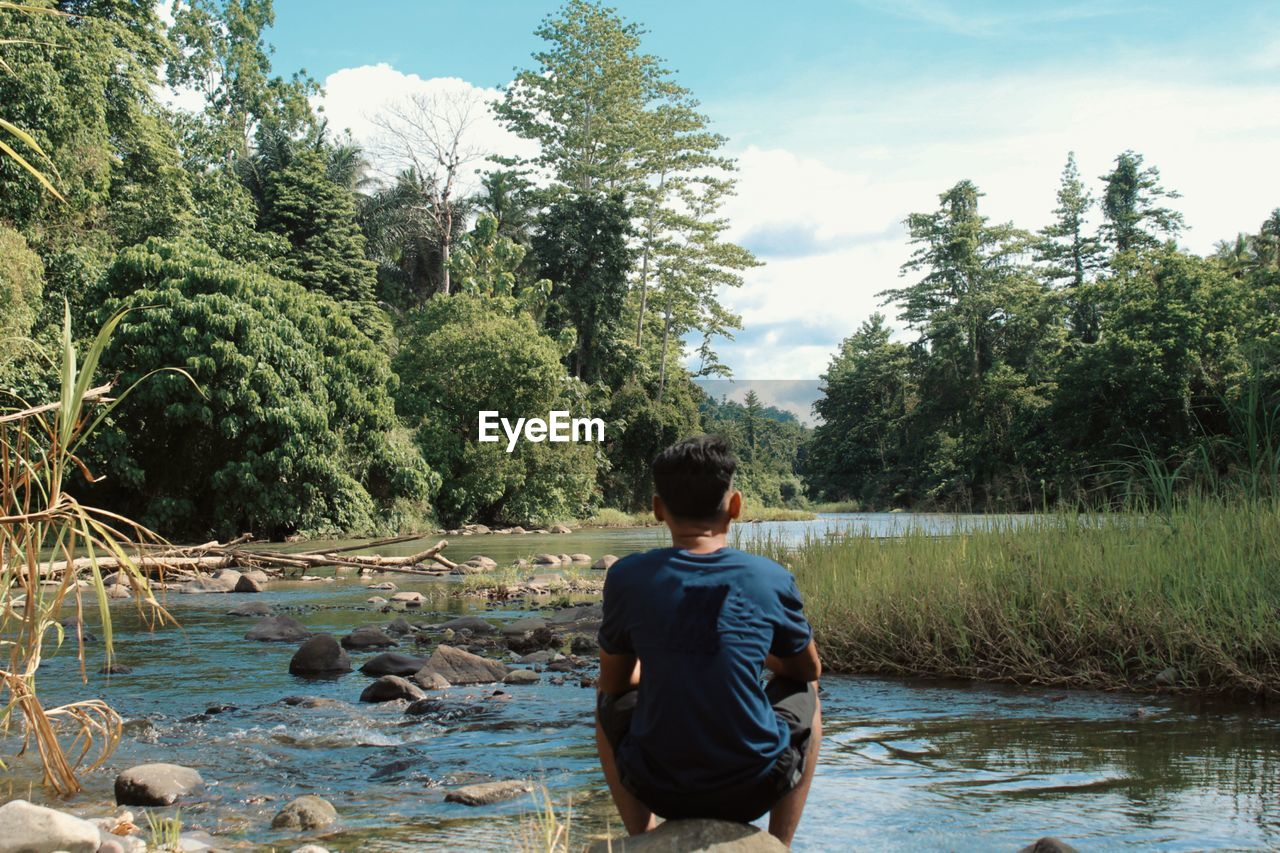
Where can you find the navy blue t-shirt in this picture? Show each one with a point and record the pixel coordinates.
(701, 625)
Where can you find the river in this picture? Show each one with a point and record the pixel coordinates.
(904, 765)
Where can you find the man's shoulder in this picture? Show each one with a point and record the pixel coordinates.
(638, 563)
(763, 567)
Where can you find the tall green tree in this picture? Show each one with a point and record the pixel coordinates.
(1133, 217)
(1070, 255)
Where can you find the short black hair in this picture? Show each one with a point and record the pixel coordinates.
(692, 476)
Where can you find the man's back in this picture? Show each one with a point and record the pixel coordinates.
(701, 626)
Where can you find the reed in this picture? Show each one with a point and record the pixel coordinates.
(42, 524)
(1183, 598)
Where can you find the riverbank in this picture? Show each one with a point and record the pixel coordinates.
(751, 514)
(1188, 601)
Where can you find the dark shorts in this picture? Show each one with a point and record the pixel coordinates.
(792, 701)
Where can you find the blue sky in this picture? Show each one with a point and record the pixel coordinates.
(847, 116)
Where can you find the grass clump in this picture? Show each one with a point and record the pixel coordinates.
(1187, 599)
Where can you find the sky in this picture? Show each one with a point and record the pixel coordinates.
(847, 115)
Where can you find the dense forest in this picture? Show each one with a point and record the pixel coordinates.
(1070, 366)
(338, 329)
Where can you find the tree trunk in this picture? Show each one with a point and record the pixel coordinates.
(662, 365)
(644, 263)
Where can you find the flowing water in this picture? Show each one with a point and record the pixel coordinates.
(904, 764)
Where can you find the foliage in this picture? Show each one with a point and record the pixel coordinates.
(293, 429)
(639, 428)
(463, 354)
(487, 263)
(769, 443)
(21, 283)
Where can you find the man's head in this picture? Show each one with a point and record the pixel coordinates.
(694, 482)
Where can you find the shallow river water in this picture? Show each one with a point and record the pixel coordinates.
(904, 765)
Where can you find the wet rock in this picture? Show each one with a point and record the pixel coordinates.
(389, 688)
(682, 836)
(399, 626)
(1048, 844)
(583, 644)
(199, 842)
(312, 702)
(565, 558)
(249, 584)
(257, 575)
(393, 663)
(478, 529)
(559, 528)
(461, 667)
(410, 598)
(367, 637)
(74, 628)
(118, 592)
(278, 629)
(474, 624)
(523, 563)
(156, 784)
(114, 668)
(432, 680)
(521, 676)
(605, 562)
(580, 558)
(522, 626)
(306, 812)
(28, 828)
(543, 656)
(375, 600)
(562, 665)
(224, 581)
(385, 585)
(1167, 677)
(487, 793)
(320, 655)
(482, 562)
(547, 560)
(517, 529)
(252, 608)
(213, 710)
(542, 638)
(577, 614)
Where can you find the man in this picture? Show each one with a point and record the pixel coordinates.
(684, 726)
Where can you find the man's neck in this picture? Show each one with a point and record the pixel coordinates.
(699, 541)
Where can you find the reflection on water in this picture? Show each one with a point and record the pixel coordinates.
(905, 765)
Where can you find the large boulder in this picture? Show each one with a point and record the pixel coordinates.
(559, 528)
(580, 558)
(392, 663)
(486, 793)
(28, 828)
(521, 676)
(223, 581)
(605, 562)
(547, 560)
(688, 836)
(389, 688)
(278, 629)
(474, 624)
(367, 637)
(461, 667)
(156, 784)
(320, 655)
(306, 812)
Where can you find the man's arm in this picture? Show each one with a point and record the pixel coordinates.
(618, 673)
(804, 667)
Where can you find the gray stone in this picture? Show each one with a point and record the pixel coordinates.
(486, 793)
(389, 688)
(251, 608)
(1048, 844)
(521, 676)
(460, 667)
(399, 626)
(410, 597)
(583, 644)
(313, 702)
(688, 836)
(367, 637)
(393, 663)
(540, 656)
(474, 624)
(156, 784)
(547, 560)
(223, 581)
(605, 562)
(249, 584)
(28, 828)
(118, 592)
(577, 614)
(278, 629)
(432, 680)
(257, 575)
(114, 668)
(385, 585)
(482, 562)
(559, 528)
(320, 655)
(523, 626)
(306, 812)
(580, 558)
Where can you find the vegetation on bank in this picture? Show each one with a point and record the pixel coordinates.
(751, 512)
(1184, 599)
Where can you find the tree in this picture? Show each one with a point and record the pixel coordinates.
(489, 264)
(428, 135)
(1071, 256)
(21, 282)
(1133, 217)
(464, 354)
(293, 428)
(581, 247)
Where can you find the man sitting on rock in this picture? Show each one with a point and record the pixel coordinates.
(685, 726)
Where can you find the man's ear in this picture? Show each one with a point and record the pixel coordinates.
(735, 504)
(659, 509)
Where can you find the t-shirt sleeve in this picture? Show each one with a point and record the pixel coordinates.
(791, 631)
(614, 635)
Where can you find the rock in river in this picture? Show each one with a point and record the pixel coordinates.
(393, 663)
(521, 676)
(252, 608)
(488, 792)
(604, 562)
(681, 836)
(249, 584)
(389, 688)
(278, 629)
(1048, 844)
(306, 812)
(580, 558)
(459, 667)
(547, 560)
(156, 784)
(367, 637)
(410, 598)
(224, 581)
(474, 624)
(320, 655)
(559, 528)
(521, 626)
(27, 828)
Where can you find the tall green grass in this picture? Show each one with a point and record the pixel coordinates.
(1187, 598)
